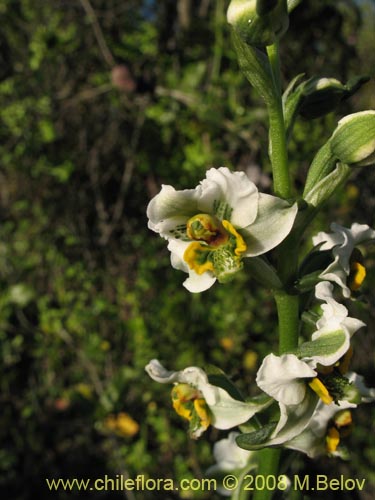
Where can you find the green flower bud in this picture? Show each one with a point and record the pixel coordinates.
(259, 22)
(320, 96)
(353, 141)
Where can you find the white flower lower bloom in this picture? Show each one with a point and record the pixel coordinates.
(229, 456)
(211, 228)
(200, 402)
(345, 270)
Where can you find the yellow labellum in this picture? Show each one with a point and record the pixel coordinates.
(321, 390)
(214, 236)
(201, 409)
(240, 242)
(343, 418)
(332, 440)
(357, 275)
(192, 257)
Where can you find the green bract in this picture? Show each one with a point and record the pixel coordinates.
(353, 141)
(259, 22)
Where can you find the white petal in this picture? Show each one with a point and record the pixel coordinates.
(177, 249)
(336, 273)
(192, 375)
(233, 188)
(273, 224)
(328, 240)
(195, 283)
(158, 373)
(335, 315)
(283, 378)
(171, 207)
(229, 455)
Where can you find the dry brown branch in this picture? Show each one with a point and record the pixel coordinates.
(107, 54)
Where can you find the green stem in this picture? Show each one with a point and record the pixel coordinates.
(287, 310)
(277, 136)
(287, 304)
(268, 466)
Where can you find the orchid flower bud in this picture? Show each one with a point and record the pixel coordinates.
(259, 22)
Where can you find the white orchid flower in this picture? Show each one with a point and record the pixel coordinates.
(346, 270)
(211, 228)
(328, 423)
(202, 403)
(284, 377)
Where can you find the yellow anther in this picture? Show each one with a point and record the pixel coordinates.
(321, 390)
(332, 440)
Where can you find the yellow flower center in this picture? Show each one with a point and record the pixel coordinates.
(189, 404)
(321, 390)
(217, 246)
(206, 228)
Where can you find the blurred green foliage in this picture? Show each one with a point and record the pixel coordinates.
(100, 103)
